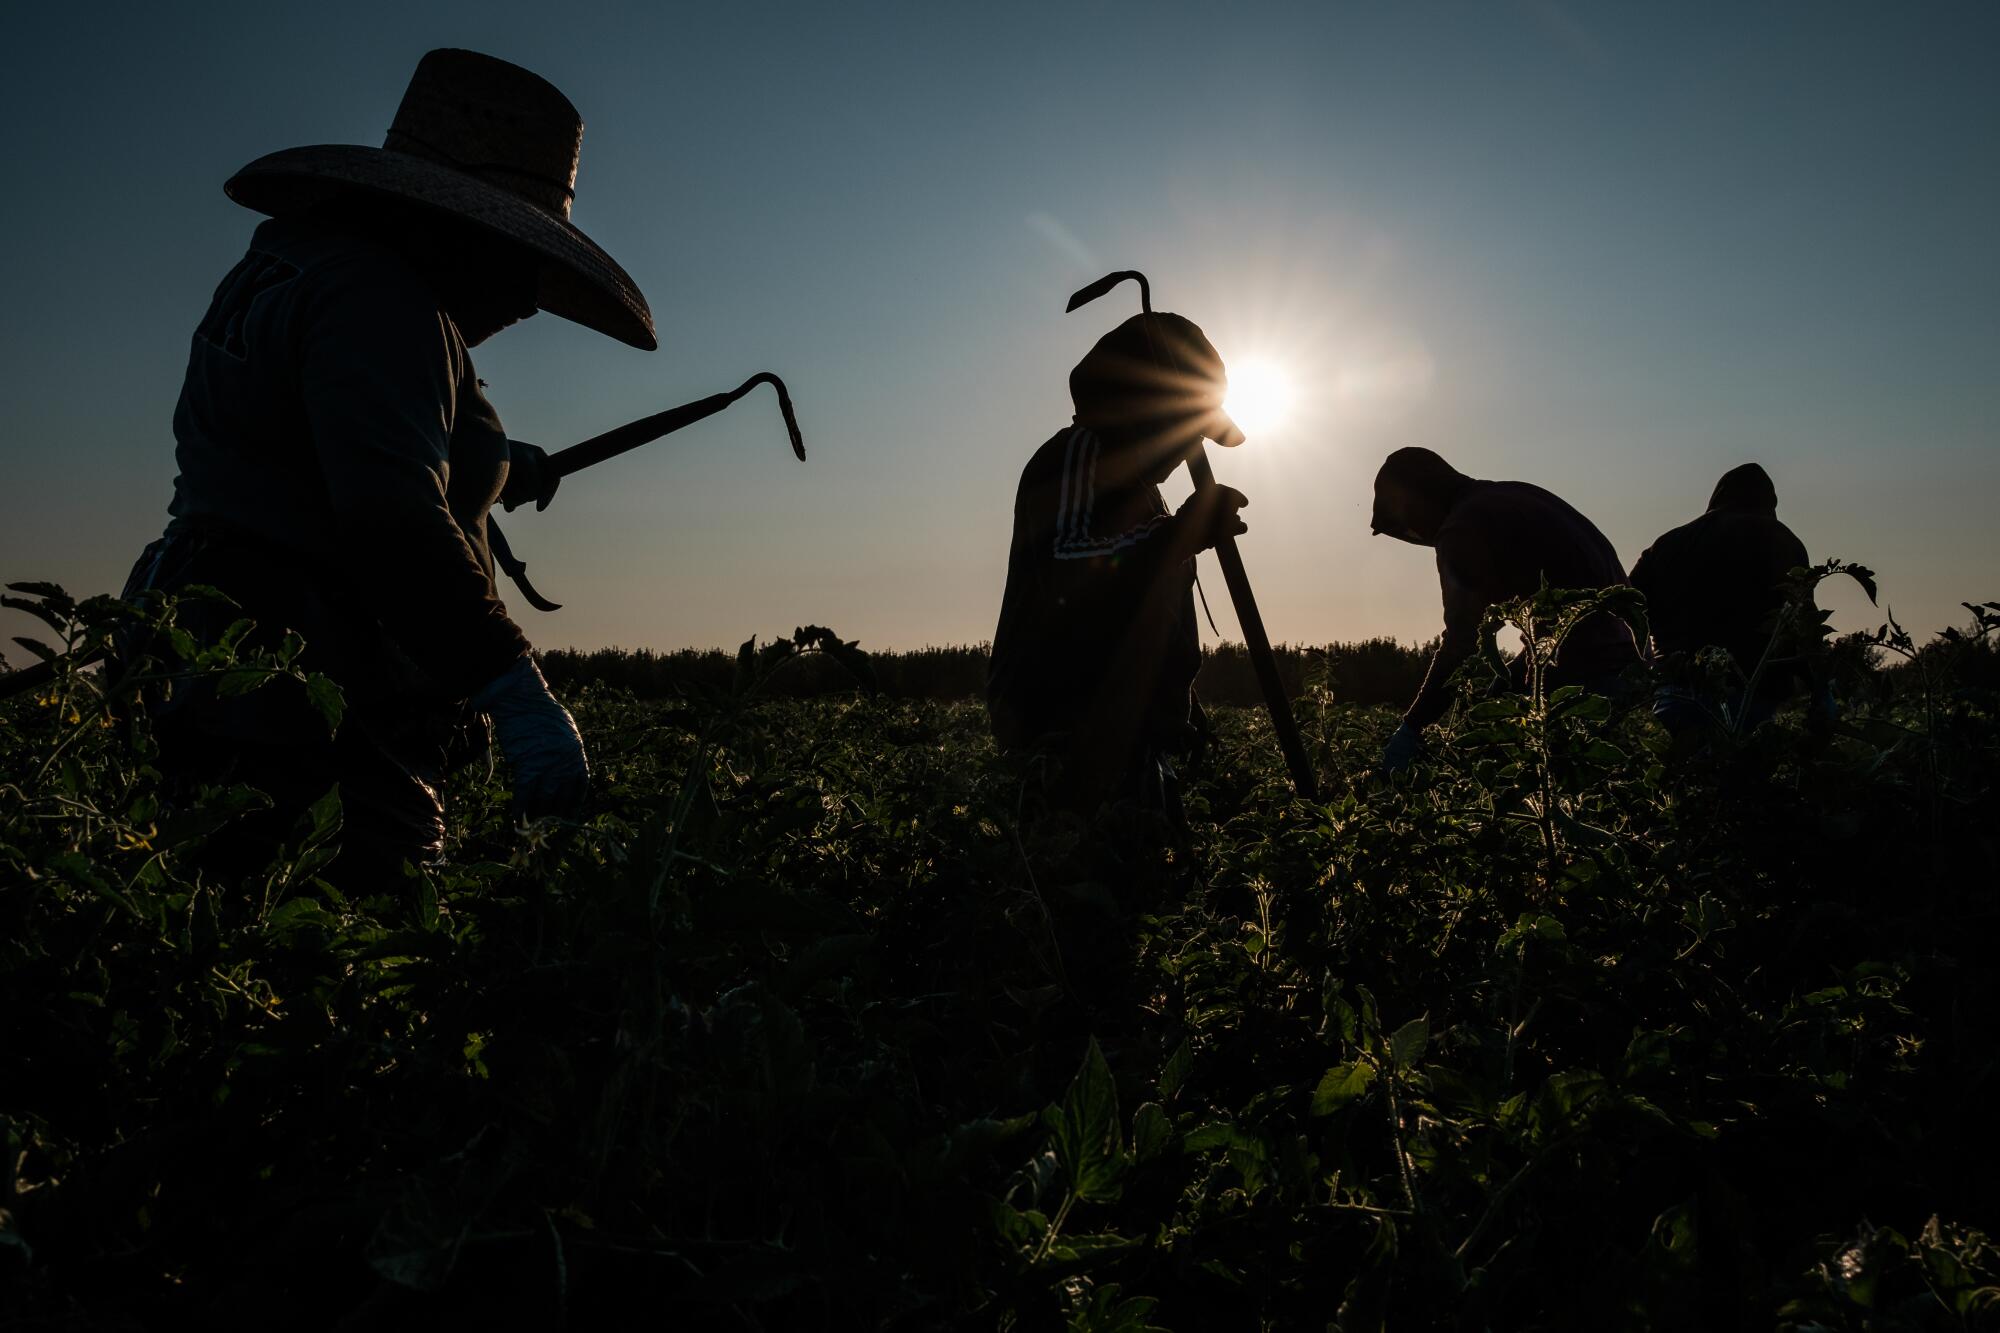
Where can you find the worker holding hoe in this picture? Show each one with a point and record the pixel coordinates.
(1495, 541)
(337, 458)
(1096, 652)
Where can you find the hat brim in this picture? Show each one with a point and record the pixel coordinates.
(580, 282)
(1222, 430)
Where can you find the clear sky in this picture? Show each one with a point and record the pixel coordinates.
(1611, 249)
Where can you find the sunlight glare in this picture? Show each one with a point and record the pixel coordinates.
(1260, 396)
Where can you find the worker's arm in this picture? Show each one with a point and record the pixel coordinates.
(1464, 607)
(1102, 563)
(379, 372)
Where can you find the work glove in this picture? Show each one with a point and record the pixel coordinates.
(1402, 749)
(1209, 515)
(539, 739)
(529, 477)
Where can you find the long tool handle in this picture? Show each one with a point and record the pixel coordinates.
(41, 673)
(1258, 642)
(647, 429)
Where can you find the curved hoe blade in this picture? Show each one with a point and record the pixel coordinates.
(784, 406)
(535, 599)
(1085, 295)
(515, 569)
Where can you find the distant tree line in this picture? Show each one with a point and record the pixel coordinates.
(1373, 671)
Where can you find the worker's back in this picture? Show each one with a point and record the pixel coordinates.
(1717, 580)
(1504, 539)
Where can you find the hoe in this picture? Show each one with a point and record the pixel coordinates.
(561, 463)
(1226, 554)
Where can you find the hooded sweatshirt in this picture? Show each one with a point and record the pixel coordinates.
(1092, 550)
(1096, 583)
(1716, 581)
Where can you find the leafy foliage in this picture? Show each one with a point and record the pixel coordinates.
(825, 1018)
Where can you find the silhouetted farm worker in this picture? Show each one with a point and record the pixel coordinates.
(1096, 651)
(1495, 541)
(1718, 582)
(337, 458)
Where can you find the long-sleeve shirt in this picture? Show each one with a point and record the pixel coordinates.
(331, 414)
(1500, 540)
(1086, 564)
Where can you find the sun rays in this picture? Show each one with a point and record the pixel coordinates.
(1261, 395)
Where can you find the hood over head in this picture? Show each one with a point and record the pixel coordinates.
(1747, 488)
(1154, 376)
(1414, 491)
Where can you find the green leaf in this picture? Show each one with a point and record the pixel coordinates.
(325, 696)
(324, 819)
(1862, 575)
(40, 611)
(1406, 1045)
(240, 682)
(1089, 1139)
(51, 592)
(1572, 1090)
(1152, 1132)
(1340, 1085)
(1017, 1228)
(1070, 1249)
(1220, 1134)
(1174, 1074)
(1541, 926)
(181, 643)
(233, 636)
(1581, 707)
(78, 867)
(295, 912)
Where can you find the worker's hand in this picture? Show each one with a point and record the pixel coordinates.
(539, 739)
(1402, 749)
(1209, 515)
(529, 477)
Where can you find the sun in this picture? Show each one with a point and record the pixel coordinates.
(1260, 396)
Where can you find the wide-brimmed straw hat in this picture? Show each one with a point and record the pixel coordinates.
(1155, 368)
(488, 142)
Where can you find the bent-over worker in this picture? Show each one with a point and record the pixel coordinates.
(1495, 541)
(337, 458)
(1718, 581)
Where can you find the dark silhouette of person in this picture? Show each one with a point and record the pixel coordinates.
(337, 458)
(1096, 651)
(1718, 582)
(1495, 540)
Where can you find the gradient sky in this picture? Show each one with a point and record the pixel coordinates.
(1611, 249)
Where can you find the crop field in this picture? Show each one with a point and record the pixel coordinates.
(825, 1017)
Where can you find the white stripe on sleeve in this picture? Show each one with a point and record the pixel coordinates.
(1078, 506)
